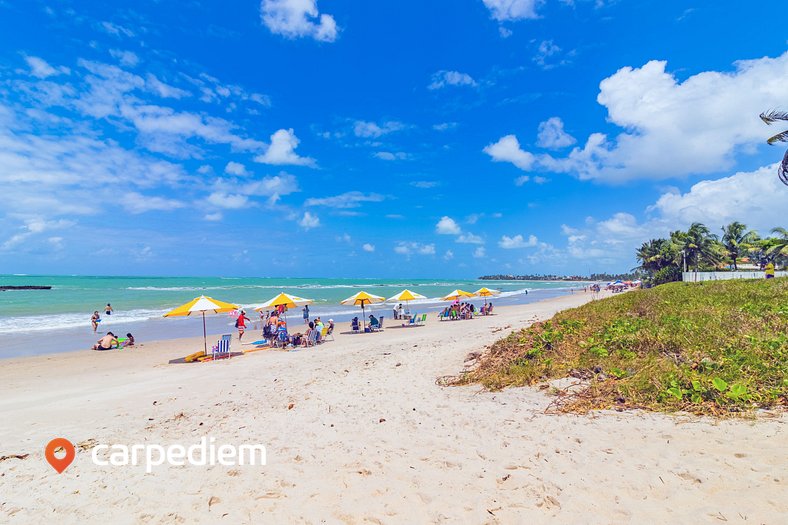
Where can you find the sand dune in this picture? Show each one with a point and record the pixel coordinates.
(358, 431)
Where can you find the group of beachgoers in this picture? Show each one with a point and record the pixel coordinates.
(275, 330)
(109, 341)
(458, 310)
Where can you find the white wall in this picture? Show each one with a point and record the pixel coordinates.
(724, 276)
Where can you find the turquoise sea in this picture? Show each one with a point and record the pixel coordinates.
(42, 321)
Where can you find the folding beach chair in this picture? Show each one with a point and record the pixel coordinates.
(222, 348)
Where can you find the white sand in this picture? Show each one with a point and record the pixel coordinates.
(442, 455)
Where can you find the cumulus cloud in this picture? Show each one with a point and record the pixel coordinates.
(410, 248)
(40, 68)
(135, 202)
(447, 226)
(508, 149)
(445, 78)
(126, 58)
(552, 134)
(548, 55)
(670, 128)
(235, 168)
(503, 10)
(367, 247)
(366, 129)
(480, 252)
(309, 221)
(518, 241)
(281, 151)
(388, 155)
(298, 18)
(469, 238)
(350, 199)
(756, 198)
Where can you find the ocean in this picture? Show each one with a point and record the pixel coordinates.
(44, 321)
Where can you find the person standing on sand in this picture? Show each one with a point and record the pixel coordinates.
(306, 313)
(95, 319)
(108, 309)
(769, 270)
(240, 324)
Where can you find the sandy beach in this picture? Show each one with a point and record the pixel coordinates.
(358, 431)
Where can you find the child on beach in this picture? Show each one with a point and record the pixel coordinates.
(129, 341)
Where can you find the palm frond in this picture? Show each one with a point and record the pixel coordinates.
(780, 137)
(782, 170)
(773, 115)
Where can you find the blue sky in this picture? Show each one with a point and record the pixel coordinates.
(380, 139)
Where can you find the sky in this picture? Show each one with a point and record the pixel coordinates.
(399, 138)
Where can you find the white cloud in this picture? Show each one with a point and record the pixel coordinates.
(480, 252)
(518, 241)
(503, 10)
(126, 58)
(40, 68)
(116, 30)
(387, 155)
(444, 126)
(350, 199)
(547, 50)
(673, 128)
(134, 202)
(298, 18)
(213, 217)
(447, 226)
(522, 179)
(282, 150)
(469, 238)
(449, 255)
(508, 149)
(409, 248)
(445, 78)
(309, 221)
(366, 129)
(425, 184)
(552, 134)
(235, 168)
(367, 247)
(164, 90)
(34, 226)
(230, 201)
(755, 198)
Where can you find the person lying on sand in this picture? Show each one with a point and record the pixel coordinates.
(106, 342)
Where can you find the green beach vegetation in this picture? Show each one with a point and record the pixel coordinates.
(698, 249)
(712, 348)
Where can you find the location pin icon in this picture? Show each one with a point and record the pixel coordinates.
(57, 463)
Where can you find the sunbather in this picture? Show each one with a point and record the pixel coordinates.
(106, 343)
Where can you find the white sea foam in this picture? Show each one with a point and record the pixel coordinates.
(40, 323)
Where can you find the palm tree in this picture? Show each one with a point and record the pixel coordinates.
(699, 245)
(770, 117)
(779, 244)
(734, 237)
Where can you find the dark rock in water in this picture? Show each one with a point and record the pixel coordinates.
(4, 288)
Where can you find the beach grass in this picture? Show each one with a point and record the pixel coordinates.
(715, 348)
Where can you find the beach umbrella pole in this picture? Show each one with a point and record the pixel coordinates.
(204, 335)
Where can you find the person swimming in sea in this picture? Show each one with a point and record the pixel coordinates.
(108, 309)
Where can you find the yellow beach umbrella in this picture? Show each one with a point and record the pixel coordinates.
(456, 295)
(362, 299)
(406, 295)
(286, 300)
(486, 292)
(200, 305)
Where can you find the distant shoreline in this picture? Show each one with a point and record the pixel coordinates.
(8, 288)
(557, 278)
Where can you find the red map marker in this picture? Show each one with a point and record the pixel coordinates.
(57, 463)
